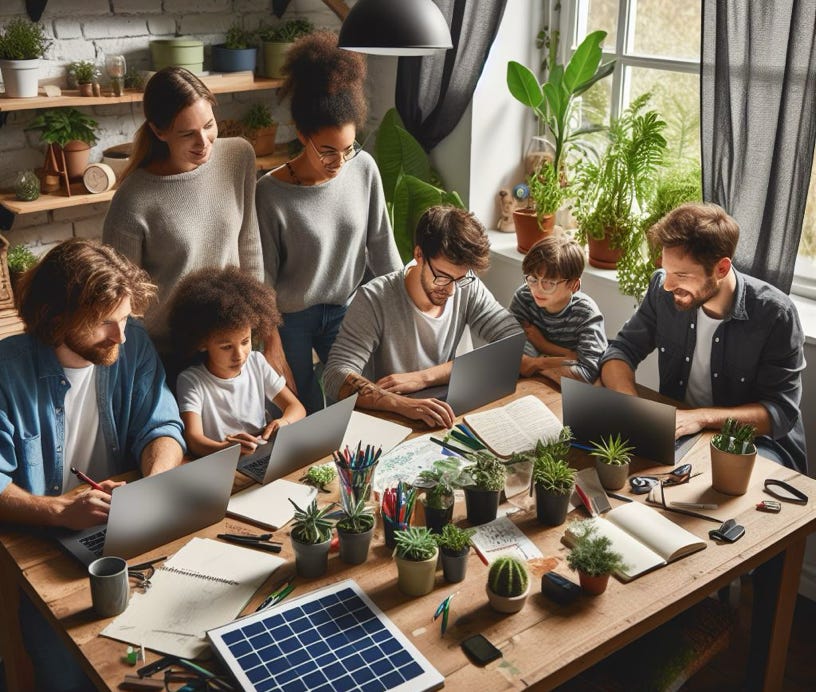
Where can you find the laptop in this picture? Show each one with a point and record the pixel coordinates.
(480, 376)
(592, 412)
(152, 511)
(300, 443)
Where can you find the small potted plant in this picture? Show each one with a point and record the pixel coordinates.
(612, 456)
(438, 499)
(69, 134)
(592, 557)
(733, 453)
(454, 545)
(84, 74)
(545, 197)
(354, 530)
(238, 52)
(483, 481)
(319, 476)
(19, 260)
(260, 129)
(508, 584)
(311, 538)
(276, 41)
(553, 479)
(22, 44)
(415, 554)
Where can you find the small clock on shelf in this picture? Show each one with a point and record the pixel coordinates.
(98, 177)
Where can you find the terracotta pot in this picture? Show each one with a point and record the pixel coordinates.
(507, 604)
(529, 230)
(263, 140)
(77, 155)
(85, 89)
(602, 255)
(731, 473)
(593, 585)
(612, 477)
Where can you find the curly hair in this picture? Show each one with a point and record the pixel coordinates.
(326, 84)
(76, 285)
(212, 300)
(454, 233)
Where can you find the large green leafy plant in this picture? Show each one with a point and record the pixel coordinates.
(62, 125)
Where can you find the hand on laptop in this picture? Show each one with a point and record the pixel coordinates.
(688, 422)
(403, 383)
(433, 412)
(249, 443)
(272, 427)
(88, 507)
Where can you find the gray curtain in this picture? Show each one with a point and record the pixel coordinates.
(758, 124)
(432, 92)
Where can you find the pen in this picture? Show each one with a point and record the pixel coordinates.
(449, 446)
(86, 479)
(149, 563)
(465, 440)
(277, 597)
(694, 505)
(578, 445)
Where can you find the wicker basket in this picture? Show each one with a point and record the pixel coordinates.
(6, 295)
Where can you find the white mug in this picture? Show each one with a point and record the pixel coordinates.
(110, 588)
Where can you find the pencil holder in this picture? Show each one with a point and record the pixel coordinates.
(356, 470)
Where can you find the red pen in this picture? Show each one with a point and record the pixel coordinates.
(86, 479)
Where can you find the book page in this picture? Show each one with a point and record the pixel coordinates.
(268, 505)
(204, 585)
(502, 537)
(515, 427)
(374, 431)
(667, 539)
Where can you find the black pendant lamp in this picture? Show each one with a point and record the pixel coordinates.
(395, 27)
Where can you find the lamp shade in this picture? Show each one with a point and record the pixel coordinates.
(395, 27)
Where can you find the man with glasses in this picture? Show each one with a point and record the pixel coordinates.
(402, 330)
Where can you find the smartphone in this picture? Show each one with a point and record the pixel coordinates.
(480, 650)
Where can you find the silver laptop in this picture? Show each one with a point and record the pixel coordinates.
(158, 509)
(299, 443)
(648, 425)
(480, 376)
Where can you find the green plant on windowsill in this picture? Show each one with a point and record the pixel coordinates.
(62, 125)
(546, 192)
(734, 437)
(614, 451)
(415, 543)
(83, 71)
(22, 39)
(287, 32)
(238, 38)
(453, 538)
(312, 525)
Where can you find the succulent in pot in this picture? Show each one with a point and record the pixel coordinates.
(354, 529)
(311, 538)
(438, 482)
(733, 453)
(508, 584)
(553, 478)
(612, 455)
(454, 543)
(483, 481)
(415, 554)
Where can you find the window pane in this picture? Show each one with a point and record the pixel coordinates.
(601, 14)
(676, 96)
(666, 29)
(804, 282)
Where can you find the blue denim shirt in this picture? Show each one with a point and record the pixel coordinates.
(135, 407)
(757, 354)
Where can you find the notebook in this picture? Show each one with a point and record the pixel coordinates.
(592, 412)
(300, 443)
(480, 376)
(158, 509)
(268, 505)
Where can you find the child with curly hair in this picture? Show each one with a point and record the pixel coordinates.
(223, 397)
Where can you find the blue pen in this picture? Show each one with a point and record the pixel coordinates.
(465, 429)
(578, 445)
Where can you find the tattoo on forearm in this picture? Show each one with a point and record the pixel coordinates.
(355, 383)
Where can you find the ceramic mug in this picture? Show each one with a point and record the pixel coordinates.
(110, 588)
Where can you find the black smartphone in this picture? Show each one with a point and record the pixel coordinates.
(480, 650)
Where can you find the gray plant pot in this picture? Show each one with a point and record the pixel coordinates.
(354, 546)
(454, 565)
(311, 560)
(612, 477)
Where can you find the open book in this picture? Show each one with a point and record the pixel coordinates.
(515, 427)
(644, 537)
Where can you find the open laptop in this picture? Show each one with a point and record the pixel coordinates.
(648, 425)
(299, 443)
(158, 509)
(480, 376)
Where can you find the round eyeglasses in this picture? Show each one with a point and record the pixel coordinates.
(331, 158)
(545, 286)
(445, 280)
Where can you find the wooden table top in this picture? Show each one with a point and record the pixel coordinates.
(544, 643)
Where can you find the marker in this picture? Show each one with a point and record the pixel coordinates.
(86, 479)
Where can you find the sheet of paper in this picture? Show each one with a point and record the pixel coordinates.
(204, 585)
(406, 460)
(268, 505)
(374, 431)
(502, 537)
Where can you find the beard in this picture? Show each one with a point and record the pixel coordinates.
(101, 353)
(685, 300)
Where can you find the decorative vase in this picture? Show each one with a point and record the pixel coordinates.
(454, 564)
(612, 477)
(416, 577)
(593, 585)
(354, 546)
(507, 604)
(27, 186)
(731, 473)
(311, 559)
(234, 59)
(77, 154)
(602, 255)
(551, 507)
(482, 505)
(529, 229)
(20, 77)
(274, 57)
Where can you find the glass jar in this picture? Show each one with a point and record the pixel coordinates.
(116, 67)
(27, 186)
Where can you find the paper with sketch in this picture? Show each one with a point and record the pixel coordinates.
(204, 585)
(502, 537)
(268, 505)
(373, 431)
(406, 460)
(515, 427)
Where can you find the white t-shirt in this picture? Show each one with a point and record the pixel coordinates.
(84, 444)
(229, 406)
(698, 392)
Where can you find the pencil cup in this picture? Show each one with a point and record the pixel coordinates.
(110, 588)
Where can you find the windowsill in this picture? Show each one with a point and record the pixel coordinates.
(504, 245)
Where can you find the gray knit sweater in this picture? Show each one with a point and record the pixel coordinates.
(171, 225)
(320, 242)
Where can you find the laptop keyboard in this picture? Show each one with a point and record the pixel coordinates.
(94, 542)
(255, 469)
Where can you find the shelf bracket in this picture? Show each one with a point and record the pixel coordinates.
(6, 218)
(3, 117)
(35, 9)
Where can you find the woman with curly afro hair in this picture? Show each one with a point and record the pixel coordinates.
(322, 215)
(223, 399)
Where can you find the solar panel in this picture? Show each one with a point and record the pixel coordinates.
(332, 639)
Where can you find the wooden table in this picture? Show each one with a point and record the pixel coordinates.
(543, 645)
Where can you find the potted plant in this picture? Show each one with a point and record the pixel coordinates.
(84, 74)
(415, 554)
(508, 584)
(483, 481)
(553, 479)
(311, 538)
(454, 544)
(19, 260)
(612, 456)
(733, 453)
(260, 129)
(180, 51)
(22, 44)
(609, 193)
(438, 500)
(592, 557)
(238, 52)
(69, 134)
(354, 530)
(276, 41)
(544, 199)
(553, 102)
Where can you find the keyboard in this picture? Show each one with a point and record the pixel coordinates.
(94, 542)
(255, 468)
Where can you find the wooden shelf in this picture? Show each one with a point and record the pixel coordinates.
(54, 200)
(219, 83)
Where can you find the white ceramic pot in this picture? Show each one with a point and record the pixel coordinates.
(21, 77)
(507, 604)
